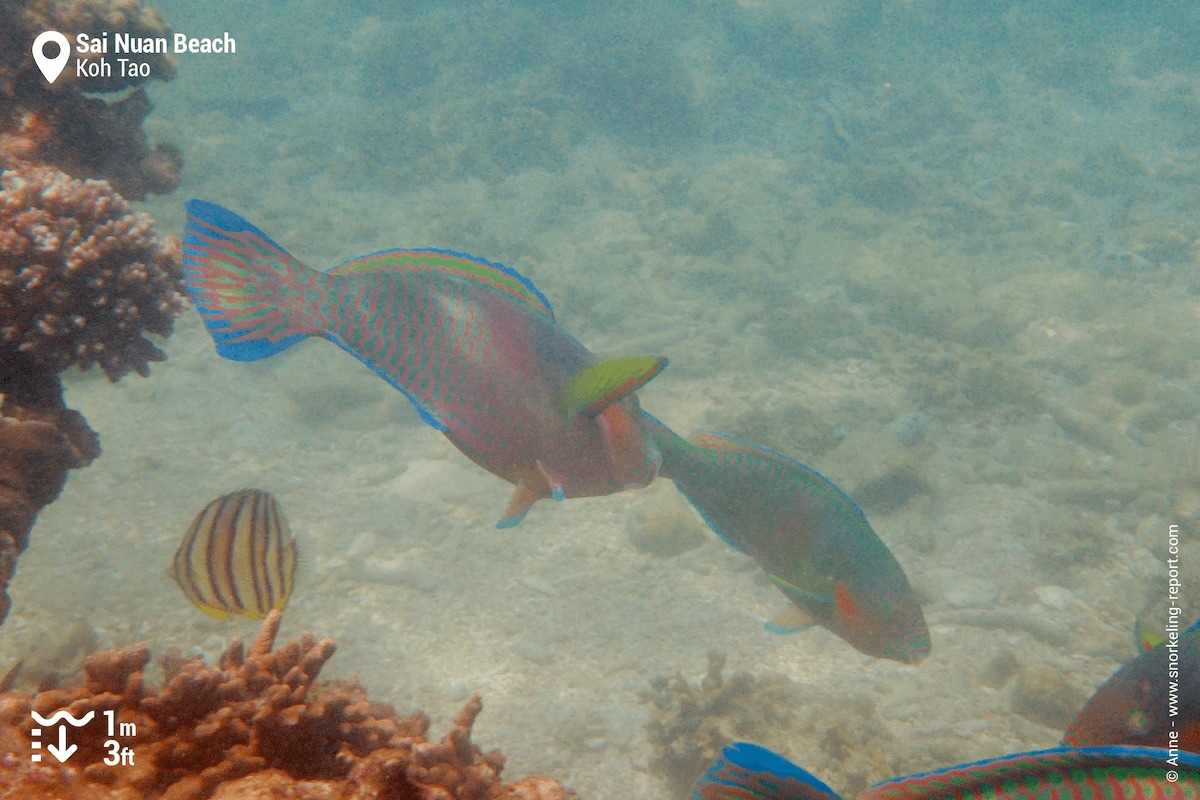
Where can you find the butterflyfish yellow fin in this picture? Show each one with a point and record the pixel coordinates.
(597, 386)
(214, 612)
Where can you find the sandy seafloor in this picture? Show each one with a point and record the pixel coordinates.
(956, 250)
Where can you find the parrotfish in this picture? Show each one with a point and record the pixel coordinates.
(807, 534)
(749, 772)
(472, 344)
(1146, 702)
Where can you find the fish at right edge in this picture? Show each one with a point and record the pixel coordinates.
(749, 772)
(1135, 705)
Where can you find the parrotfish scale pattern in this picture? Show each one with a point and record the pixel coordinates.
(1046, 775)
(233, 299)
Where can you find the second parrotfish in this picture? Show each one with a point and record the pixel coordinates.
(473, 345)
(803, 531)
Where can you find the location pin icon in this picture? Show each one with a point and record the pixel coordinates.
(51, 67)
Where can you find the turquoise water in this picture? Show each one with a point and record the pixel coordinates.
(946, 256)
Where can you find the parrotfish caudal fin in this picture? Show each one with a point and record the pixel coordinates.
(749, 772)
(247, 288)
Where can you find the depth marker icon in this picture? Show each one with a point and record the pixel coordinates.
(61, 751)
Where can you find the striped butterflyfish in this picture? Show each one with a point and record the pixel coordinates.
(237, 557)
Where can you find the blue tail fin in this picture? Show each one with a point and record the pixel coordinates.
(749, 772)
(247, 288)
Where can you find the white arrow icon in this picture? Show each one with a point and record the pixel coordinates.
(51, 67)
(61, 751)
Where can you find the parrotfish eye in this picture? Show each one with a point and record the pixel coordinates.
(1137, 721)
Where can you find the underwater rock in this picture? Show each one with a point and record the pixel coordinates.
(999, 668)
(666, 534)
(55, 656)
(909, 429)
(1043, 695)
(892, 490)
(888, 474)
(255, 725)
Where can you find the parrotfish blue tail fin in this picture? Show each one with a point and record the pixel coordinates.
(247, 288)
(749, 772)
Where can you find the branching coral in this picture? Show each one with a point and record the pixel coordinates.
(82, 276)
(255, 725)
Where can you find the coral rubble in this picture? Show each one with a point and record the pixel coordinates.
(691, 724)
(255, 725)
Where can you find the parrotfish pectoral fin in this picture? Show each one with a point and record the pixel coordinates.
(1145, 639)
(553, 483)
(790, 619)
(523, 498)
(597, 386)
(237, 277)
(748, 772)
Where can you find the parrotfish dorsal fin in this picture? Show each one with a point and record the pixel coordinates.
(496, 277)
(711, 440)
(597, 386)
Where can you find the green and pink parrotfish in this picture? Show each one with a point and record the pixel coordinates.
(473, 345)
(749, 772)
(807, 534)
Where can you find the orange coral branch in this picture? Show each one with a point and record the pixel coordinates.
(256, 725)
